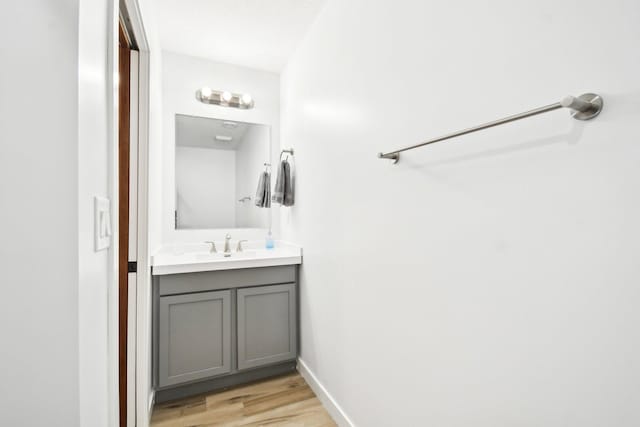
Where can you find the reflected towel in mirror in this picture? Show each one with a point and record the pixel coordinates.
(263, 193)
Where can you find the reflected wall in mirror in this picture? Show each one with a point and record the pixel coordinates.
(218, 164)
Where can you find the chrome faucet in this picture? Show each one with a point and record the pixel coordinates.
(212, 247)
(227, 247)
(239, 247)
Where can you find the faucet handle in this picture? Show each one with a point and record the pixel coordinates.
(212, 248)
(239, 247)
(228, 236)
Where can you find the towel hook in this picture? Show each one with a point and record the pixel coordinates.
(287, 151)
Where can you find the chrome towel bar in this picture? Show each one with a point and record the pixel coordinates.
(584, 107)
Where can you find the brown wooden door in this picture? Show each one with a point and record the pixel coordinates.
(123, 215)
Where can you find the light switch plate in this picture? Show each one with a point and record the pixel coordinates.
(102, 223)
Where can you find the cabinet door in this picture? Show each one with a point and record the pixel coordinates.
(194, 337)
(266, 325)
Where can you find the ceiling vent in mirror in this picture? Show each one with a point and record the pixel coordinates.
(229, 125)
(224, 98)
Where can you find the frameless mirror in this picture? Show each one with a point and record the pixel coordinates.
(218, 164)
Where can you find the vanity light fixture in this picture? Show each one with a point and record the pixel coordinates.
(206, 92)
(243, 101)
(246, 99)
(223, 138)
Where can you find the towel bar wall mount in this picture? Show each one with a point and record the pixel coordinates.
(584, 107)
(287, 151)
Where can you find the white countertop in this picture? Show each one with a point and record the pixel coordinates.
(195, 257)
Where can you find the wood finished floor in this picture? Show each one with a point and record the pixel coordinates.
(281, 401)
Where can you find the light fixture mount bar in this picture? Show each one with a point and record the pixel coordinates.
(225, 99)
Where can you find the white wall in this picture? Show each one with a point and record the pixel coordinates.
(96, 177)
(149, 16)
(39, 217)
(491, 280)
(182, 76)
(144, 389)
(52, 161)
(205, 186)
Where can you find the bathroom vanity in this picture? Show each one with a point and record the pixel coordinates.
(225, 312)
(223, 320)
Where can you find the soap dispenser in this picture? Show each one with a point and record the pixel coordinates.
(269, 241)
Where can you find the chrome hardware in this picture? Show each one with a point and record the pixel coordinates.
(239, 247)
(584, 107)
(227, 248)
(286, 151)
(243, 101)
(212, 248)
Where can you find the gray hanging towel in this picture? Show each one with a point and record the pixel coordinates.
(283, 191)
(289, 187)
(263, 193)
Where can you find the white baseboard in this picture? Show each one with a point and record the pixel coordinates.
(152, 400)
(336, 412)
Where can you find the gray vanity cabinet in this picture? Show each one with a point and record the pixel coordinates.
(216, 329)
(194, 336)
(266, 325)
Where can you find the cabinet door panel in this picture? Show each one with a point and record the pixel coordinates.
(266, 325)
(194, 337)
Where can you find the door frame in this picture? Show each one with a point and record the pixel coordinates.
(139, 375)
(127, 144)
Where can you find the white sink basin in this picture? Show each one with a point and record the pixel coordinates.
(208, 256)
(187, 259)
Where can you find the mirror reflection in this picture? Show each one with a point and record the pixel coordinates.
(218, 165)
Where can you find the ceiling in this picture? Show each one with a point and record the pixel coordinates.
(201, 132)
(259, 34)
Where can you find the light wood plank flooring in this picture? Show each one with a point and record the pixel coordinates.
(282, 401)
